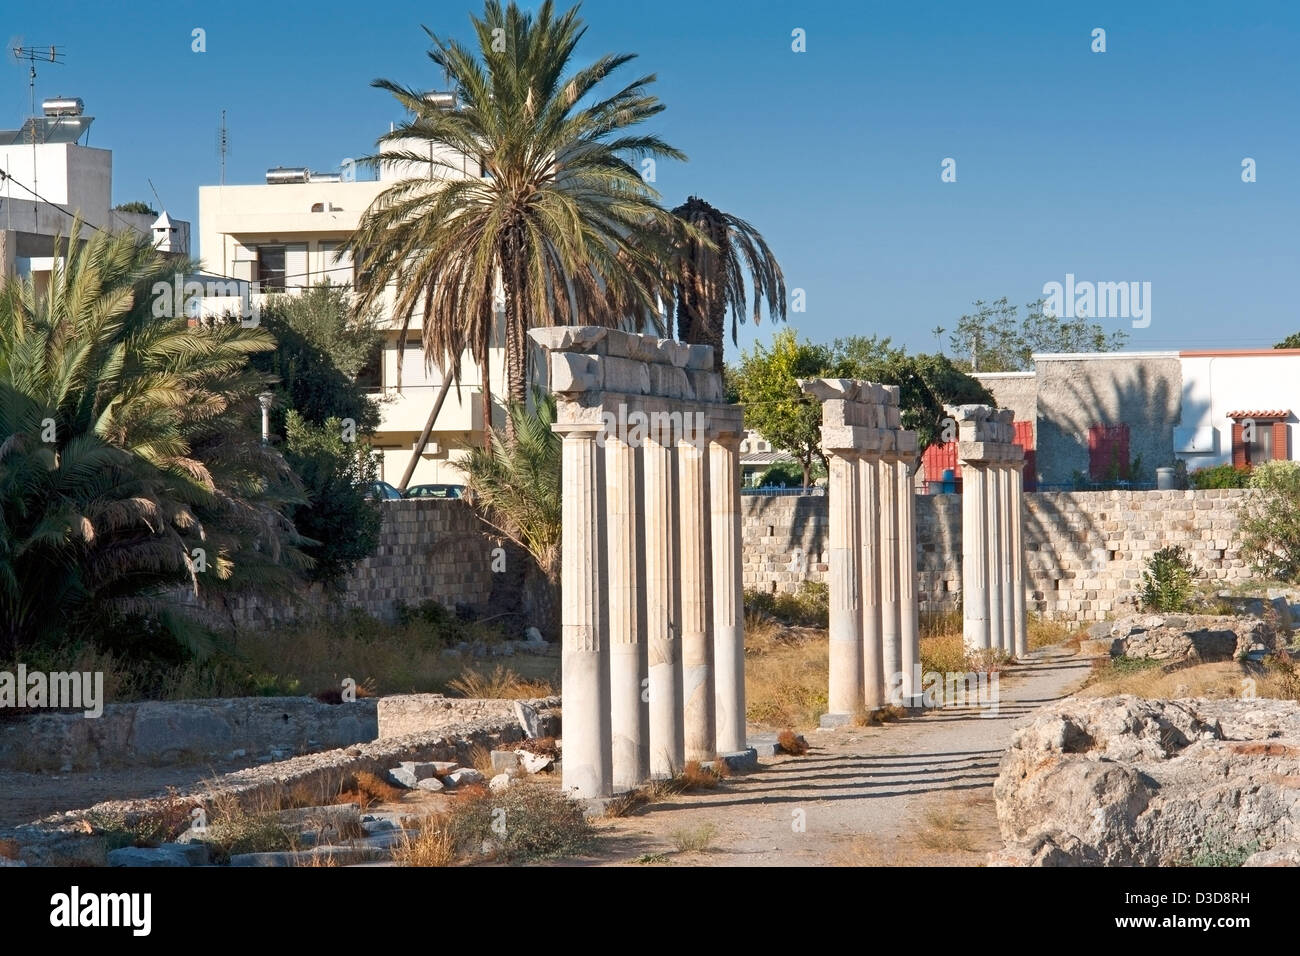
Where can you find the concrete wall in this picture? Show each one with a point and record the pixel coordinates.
(1214, 385)
(1142, 390)
(1085, 551)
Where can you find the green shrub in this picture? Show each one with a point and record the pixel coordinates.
(527, 821)
(808, 607)
(1270, 524)
(1167, 580)
(1220, 476)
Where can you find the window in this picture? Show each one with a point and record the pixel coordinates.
(1259, 436)
(270, 268)
(1108, 452)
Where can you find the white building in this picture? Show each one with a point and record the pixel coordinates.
(286, 234)
(48, 174)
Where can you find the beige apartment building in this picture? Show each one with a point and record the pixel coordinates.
(285, 235)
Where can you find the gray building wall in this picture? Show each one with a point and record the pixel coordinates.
(1143, 392)
(1017, 391)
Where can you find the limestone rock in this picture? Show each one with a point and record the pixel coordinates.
(528, 720)
(462, 776)
(533, 763)
(1125, 781)
(500, 782)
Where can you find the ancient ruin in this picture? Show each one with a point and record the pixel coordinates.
(653, 659)
(874, 635)
(993, 559)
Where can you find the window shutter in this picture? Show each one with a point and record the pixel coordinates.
(1280, 450)
(295, 266)
(1239, 451)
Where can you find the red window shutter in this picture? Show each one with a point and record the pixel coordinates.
(1280, 450)
(1108, 451)
(1240, 457)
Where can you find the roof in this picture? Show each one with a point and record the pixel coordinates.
(1239, 353)
(766, 458)
(1262, 413)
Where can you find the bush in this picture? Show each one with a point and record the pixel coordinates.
(808, 607)
(527, 821)
(1167, 580)
(1220, 476)
(1270, 525)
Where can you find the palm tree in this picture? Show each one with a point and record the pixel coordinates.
(128, 461)
(514, 484)
(560, 217)
(710, 265)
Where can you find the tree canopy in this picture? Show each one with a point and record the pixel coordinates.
(996, 339)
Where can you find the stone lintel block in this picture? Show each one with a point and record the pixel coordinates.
(840, 439)
(670, 382)
(570, 338)
(969, 413)
(574, 372)
(825, 389)
(624, 375)
(991, 452)
(699, 358)
(707, 384)
(839, 412)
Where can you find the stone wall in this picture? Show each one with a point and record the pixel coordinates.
(428, 549)
(1084, 551)
(153, 733)
(1141, 391)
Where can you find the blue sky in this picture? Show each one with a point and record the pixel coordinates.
(1115, 166)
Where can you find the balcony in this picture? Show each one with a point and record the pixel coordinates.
(408, 409)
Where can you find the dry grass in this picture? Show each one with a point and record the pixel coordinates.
(480, 758)
(944, 653)
(786, 674)
(1045, 633)
(945, 828)
(956, 832)
(366, 790)
(791, 743)
(694, 840)
(501, 684)
(1221, 680)
(433, 844)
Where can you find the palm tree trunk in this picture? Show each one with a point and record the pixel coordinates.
(424, 435)
(516, 332)
(486, 376)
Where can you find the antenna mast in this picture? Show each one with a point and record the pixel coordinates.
(223, 145)
(33, 55)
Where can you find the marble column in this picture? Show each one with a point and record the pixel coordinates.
(846, 670)
(629, 717)
(890, 618)
(584, 661)
(1006, 532)
(974, 556)
(696, 614)
(728, 594)
(667, 744)
(908, 615)
(873, 665)
(1018, 558)
(995, 552)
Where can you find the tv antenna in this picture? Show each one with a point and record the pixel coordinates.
(223, 145)
(34, 55)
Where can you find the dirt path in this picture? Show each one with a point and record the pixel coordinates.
(914, 792)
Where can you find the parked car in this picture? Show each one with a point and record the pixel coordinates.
(436, 491)
(382, 491)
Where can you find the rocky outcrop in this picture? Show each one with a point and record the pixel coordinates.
(1124, 781)
(1184, 637)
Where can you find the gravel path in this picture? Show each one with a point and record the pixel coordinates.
(917, 791)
